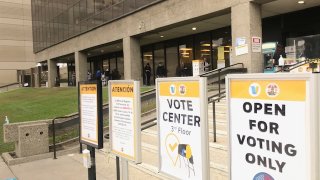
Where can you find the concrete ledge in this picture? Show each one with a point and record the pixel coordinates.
(9, 160)
(10, 131)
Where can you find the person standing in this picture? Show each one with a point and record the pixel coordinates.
(161, 70)
(147, 73)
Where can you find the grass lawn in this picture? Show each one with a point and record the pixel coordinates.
(30, 104)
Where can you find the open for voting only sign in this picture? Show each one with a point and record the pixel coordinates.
(124, 116)
(183, 127)
(90, 110)
(273, 128)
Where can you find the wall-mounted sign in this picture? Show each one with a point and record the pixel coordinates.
(183, 127)
(124, 115)
(90, 111)
(241, 46)
(271, 126)
(256, 44)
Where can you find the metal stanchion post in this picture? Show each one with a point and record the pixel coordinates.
(118, 167)
(92, 170)
(54, 139)
(219, 84)
(214, 122)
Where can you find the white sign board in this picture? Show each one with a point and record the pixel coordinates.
(241, 46)
(197, 67)
(256, 44)
(271, 126)
(183, 127)
(89, 113)
(124, 115)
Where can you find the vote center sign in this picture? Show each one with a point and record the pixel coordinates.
(182, 127)
(270, 126)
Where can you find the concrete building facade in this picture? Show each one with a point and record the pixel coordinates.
(118, 32)
(16, 45)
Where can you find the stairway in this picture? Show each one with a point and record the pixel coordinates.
(218, 150)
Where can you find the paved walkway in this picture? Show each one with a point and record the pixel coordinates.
(67, 167)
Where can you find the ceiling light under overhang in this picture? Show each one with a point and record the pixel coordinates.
(161, 36)
(185, 49)
(194, 28)
(301, 2)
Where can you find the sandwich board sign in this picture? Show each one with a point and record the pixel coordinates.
(90, 111)
(183, 127)
(124, 116)
(272, 126)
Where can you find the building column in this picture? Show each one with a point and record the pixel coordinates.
(52, 72)
(80, 66)
(246, 23)
(132, 58)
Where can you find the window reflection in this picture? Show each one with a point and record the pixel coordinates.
(55, 21)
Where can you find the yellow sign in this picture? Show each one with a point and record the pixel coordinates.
(89, 113)
(288, 90)
(122, 90)
(178, 89)
(88, 89)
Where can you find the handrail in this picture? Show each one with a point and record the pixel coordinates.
(54, 133)
(218, 94)
(301, 63)
(7, 85)
(215, 70)
(219, 74)
(213, 101)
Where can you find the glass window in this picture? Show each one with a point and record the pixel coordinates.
(120, 62)
(203, 49)
(147, 66)
(159, 60)
(173, 67)
(221, 47)
(186, 56)
(76, 18)
(117, 10)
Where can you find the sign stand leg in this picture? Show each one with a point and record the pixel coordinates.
(92, 170)
(125, 169)
(118, 167)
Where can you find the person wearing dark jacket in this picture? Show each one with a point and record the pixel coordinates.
(147, 73)
(161, 70)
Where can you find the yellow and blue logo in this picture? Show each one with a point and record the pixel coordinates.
(172, 89)
(254, 89)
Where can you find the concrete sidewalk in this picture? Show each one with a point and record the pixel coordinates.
(5, 172)
(68, 167)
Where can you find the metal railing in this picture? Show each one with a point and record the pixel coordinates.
(7, 86)
(289, 68)
(213, 99)
(54, 133)
(221, 71)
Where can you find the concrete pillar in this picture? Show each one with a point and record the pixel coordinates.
(37, 77)
(52, 72)
(80, 66)
(132, 58)
(246, 22)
